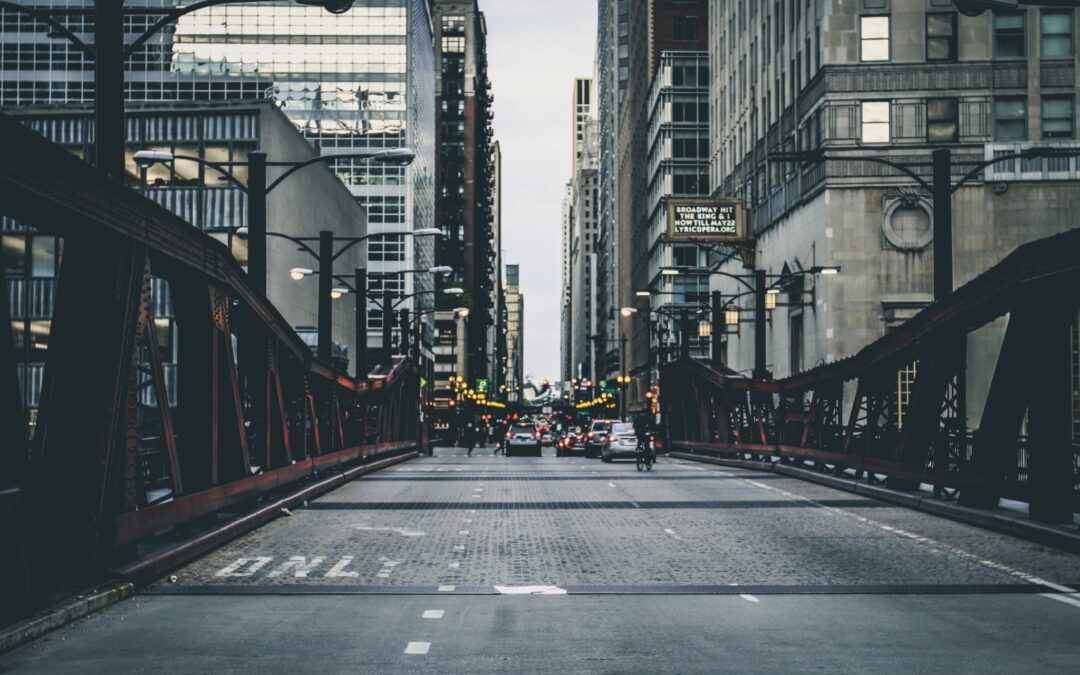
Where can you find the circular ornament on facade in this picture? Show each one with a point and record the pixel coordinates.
(907, 224)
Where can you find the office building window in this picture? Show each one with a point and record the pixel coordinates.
(1009, 41)
(941, 37)
(875, 122)
(687, 255)
(1010, 119)
(685, 28)
(453, 24)
(1056, 34)
(453, 45)
(874, 38)
(942, 120)
(1058, 113)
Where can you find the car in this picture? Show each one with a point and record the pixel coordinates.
(546, 437)
(572, 443)
(594, 438)
(522, 438)
(621, 441)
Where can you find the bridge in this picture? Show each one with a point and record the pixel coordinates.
(281, 514)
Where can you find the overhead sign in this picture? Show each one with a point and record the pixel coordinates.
(711, 219)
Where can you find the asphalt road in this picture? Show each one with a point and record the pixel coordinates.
(492, 564)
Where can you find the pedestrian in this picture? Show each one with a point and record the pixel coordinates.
(469, 437)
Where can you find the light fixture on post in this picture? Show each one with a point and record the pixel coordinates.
(731, 317)
(770, 298)
(669, 271)
(642, 294)
(298, 273)
(336, 293)
(627, 312)
(704, 329)
(826, 271)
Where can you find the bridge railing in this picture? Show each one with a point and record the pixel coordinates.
(1024, 447)
(138, 431)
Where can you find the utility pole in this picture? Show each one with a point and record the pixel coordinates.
(943, 263)
(760, 372)
(360, 278)
(717, 328)
(256, 220)
(326, 282)
(387, 327)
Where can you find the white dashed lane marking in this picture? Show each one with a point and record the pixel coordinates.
(433, 614)
(671, 532)
(417, 648)
(749, 598)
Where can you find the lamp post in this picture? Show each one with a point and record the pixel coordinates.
(258, 190)
(326, 255)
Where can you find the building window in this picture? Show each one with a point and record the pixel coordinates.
(1057, 116)
(942, 120)
(387, 248)
(875, 122)
(453, 24)
(453, 45)
(1010, 119)
(686, 255)
(874, 38)
(685, 28)
(1057, 35)
(941, 37)
(1009, 42)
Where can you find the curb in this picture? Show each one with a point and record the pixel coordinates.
(82, 605)
(153, 566)
(1016, 526)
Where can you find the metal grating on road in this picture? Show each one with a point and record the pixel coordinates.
(620, 476)
(585, 505)
(602, 589)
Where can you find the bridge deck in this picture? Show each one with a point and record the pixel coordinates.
(681, 569)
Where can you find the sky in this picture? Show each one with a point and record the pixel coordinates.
(535, 50)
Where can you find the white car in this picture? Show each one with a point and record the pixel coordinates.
(522, 439)
(621, 441)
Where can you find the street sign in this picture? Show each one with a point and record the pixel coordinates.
(709, 219)
(481, 385)
(546, 410)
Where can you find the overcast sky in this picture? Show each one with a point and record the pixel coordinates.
(535, 50)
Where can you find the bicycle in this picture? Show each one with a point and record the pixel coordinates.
(645, 454)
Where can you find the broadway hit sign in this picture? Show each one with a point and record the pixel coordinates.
(712, 219)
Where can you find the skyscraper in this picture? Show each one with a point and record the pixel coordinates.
(466, 171)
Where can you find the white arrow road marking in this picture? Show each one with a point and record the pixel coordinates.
(672, 533)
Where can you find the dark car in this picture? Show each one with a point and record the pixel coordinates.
(594, 439)
(522, 438)
(572, 443)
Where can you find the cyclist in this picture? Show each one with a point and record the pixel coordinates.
(643, 428)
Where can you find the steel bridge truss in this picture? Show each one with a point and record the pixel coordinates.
(112, 460)
(1024, 448)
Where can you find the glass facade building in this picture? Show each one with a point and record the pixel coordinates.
(362, 80)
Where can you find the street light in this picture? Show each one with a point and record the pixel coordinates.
(298, 273)
(669, 271)
(627, 312)
(258, 190)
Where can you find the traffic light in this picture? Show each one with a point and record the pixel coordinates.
(977, 7)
